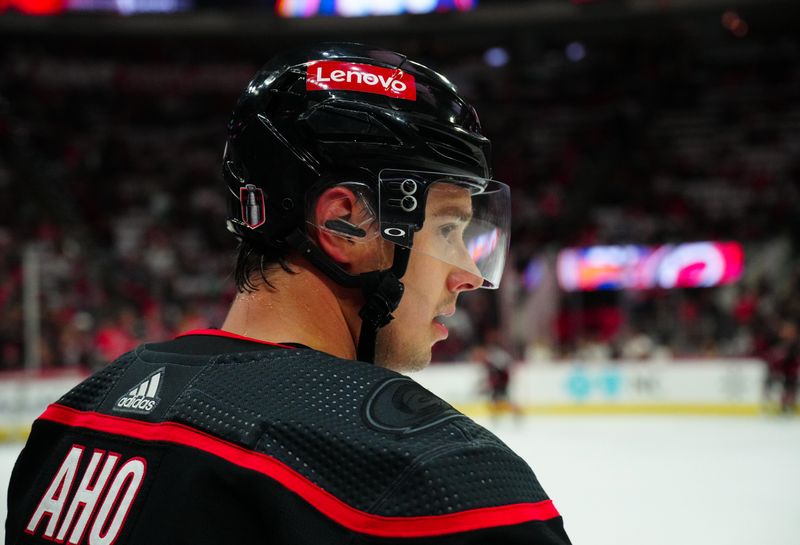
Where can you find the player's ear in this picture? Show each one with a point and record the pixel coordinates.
(338, 216)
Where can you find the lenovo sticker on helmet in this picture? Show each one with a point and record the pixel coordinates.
(366, 78)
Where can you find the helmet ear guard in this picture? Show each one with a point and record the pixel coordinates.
(345, 228)
(357, 219)
(342, 222)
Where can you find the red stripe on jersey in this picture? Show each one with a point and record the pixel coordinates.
(228, 334)
(323, 501)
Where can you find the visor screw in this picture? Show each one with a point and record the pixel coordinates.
(408, 187)
(287, 204)
(409, 204)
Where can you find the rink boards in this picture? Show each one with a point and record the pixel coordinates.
(25, 395)
(696, 386)
(732, 386)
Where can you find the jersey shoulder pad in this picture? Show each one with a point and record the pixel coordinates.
(471, 469)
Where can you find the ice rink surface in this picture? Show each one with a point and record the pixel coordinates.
(651, 480)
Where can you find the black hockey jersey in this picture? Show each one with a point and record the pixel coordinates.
(213, 438)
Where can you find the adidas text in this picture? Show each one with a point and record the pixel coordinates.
(136, 403)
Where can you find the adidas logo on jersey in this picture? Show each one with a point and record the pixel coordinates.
(143, 398)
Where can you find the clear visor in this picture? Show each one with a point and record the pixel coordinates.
(465, 221)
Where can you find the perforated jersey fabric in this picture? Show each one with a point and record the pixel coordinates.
(371, 438)
(88, 394)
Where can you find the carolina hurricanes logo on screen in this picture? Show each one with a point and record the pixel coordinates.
(350, 76)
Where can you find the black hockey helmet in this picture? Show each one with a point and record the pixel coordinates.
(342, 112)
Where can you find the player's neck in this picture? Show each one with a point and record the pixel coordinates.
(305, 308)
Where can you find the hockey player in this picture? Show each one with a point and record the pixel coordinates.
(499, 365)
(359, 188)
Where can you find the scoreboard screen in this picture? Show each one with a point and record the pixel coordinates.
(282, 8)
(361, 8)
(688, 265)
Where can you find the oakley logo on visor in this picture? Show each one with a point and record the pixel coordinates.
(350, 76)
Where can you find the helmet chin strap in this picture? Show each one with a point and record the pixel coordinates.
(382, 293)
(382, 290)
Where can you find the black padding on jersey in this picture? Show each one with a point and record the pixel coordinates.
(464, 477)
(312, 412)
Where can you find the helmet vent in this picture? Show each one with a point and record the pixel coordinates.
(449, 146)
(341, 125)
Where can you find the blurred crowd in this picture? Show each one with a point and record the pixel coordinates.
(109, 172)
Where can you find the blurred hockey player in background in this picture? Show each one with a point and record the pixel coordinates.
(499, 364)
(783, 366)
(359, 188)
